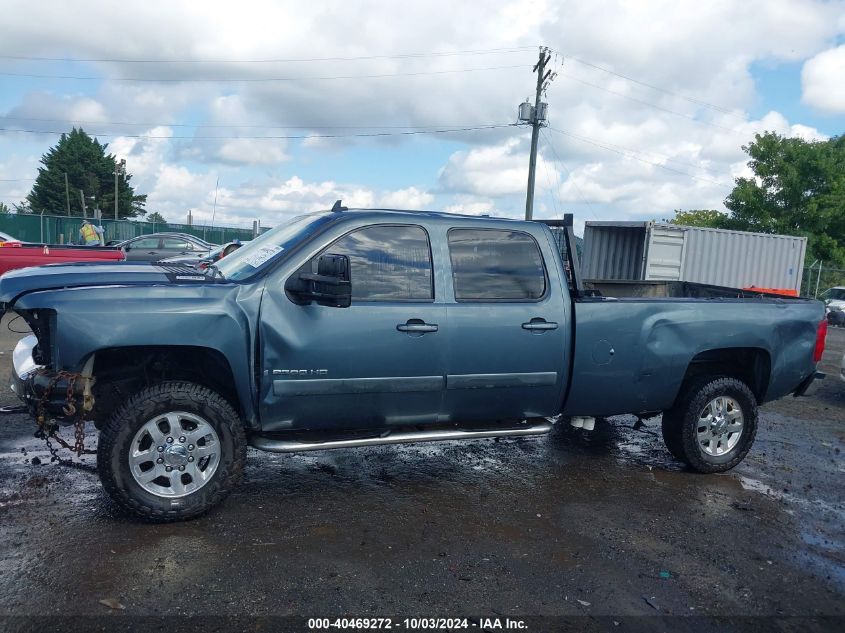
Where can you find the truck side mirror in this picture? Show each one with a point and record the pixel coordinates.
(329, 286)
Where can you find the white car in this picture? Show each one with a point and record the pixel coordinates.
(834, 298)
(5, 237)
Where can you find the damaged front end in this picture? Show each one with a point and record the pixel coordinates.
(49, 395)
(52, 397)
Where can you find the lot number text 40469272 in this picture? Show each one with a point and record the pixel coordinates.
(434, 624)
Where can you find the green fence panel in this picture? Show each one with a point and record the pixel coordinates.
(52, 229)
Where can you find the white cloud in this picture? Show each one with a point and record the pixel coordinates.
(823, 80)
(495, 171)
(273, 202)
(410, 198)
(472, 207)
(250, 151)
(623, 156)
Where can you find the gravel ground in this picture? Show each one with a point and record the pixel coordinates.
(603, 527)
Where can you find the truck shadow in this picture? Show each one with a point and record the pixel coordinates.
(566, 454)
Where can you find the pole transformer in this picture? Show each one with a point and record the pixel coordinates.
(536, 116)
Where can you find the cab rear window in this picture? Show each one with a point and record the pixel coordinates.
(496, 265)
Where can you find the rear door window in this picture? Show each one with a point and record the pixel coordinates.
(148, 243)
(496, 265)
(176, 244)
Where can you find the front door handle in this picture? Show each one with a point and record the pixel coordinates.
(417, 326)
(539, 325)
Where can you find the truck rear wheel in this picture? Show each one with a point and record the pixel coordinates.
(712, 425)
(171, 452)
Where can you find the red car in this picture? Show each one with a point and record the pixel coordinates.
(17, 255)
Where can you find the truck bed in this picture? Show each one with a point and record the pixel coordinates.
(637, 341)
(673, 290)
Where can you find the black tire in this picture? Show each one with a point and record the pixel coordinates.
(672, 434)
(681, 423)
(117, 435)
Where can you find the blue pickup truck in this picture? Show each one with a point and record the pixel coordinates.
(361, 327)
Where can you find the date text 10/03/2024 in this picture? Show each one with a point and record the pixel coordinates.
(449, 624)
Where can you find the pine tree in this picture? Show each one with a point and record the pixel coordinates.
(89, 169)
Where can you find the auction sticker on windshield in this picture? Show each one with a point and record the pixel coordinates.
(262, 255)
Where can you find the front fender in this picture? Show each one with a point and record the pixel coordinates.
(97, 318)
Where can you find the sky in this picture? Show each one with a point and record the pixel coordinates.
(274, 108)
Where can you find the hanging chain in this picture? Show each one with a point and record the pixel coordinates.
(47, 428)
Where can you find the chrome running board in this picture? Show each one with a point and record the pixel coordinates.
(397, 436)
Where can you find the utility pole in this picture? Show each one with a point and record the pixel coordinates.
(214, 209)
(67, 195)
(82, 197)
(536, 116)
(119, 170)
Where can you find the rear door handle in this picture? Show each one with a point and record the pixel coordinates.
(539, 325)
(417, 326)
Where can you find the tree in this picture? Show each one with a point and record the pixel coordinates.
(700, 217)
(4, 209)
(89, 169)
(22, 207)
(798, 189)
(156, 217)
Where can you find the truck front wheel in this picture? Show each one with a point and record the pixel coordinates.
(712, 425)
(171, 452)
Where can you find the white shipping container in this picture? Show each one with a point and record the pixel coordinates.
(639, 251)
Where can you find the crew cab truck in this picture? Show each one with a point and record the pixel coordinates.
(361, 327)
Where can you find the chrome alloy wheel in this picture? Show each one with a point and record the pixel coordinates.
(174, 454)
(720, 426)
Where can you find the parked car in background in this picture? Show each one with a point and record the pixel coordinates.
(158, 246)
(213, 256)
(5, 237)
(835, 317)
(834, 298)
(20, 255)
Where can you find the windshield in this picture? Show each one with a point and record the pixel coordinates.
(265, 249)
(836, 294)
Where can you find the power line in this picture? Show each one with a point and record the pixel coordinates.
(482, 51)
(279, 137)
(569, 177)
(700, 102)
(652, 105)
(642, 160)
(255, 79)
(594, 141)
(238, 125)
(552, 189)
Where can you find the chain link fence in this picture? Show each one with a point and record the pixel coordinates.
(818, 278)
(55, 229)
